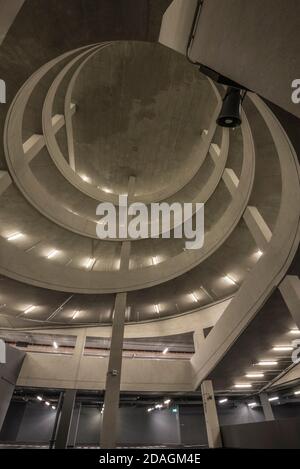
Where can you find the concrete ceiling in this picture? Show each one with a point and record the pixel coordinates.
(141, 110)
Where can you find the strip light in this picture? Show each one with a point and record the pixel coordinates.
(75, 314)
(90, 262)
(245, 385)
(254, 375)
(271, 399)
(165, 350)
(267, 363)
(52, 254)
(15, 236)
(222, 401)
(157, 309)
(283, 348)
(29, 309)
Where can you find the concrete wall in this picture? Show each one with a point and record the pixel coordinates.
(9, 372)
(32, 422)
(63, 372)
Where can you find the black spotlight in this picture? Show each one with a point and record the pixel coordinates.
(230, 112)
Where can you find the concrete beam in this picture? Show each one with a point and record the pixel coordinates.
(290, 291)
(267, 408)
(9, 11)
(231, 180)
(258, 227)
(5, 181)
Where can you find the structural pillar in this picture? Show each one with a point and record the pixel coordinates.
(290, 291)
(266, 405)
(211, 416)
(113, 379)
(64, 425)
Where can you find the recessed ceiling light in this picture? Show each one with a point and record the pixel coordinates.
(267, 363)
(273, 398)
(85, 178)
(229, 279)
(243, 385)
(55, 345)
(283, 348)
(14, 236)
(254, 375)
(29, 309)
(222, 401)
(90, 262)
(75, 314)
(52, 254)
(194, 297)
(165, 350)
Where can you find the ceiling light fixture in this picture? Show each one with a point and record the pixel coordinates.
(154, 260)
(52, 254)
(165, 350)
(53, 407)
(194, 297)
(295, 331)
(243, 385)
(39, 398)
(259, 253)
(157, 309)
(75, 314)
(222, 401)
(297, 393)
(55, 345)
(230, 279)
(15, 236)
(47, 403)
(90, 262)
(29, 309)
(150, 409)
(167, 401)
(254, 375)
(230, 112)
(283, 348)
(85, 178)
(267, 363)
(271, 399)
(158, 406)
(252, 404)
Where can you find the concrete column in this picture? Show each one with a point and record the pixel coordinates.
(113, 380)
(211, 416)
(62, 436)
(290, 290)
(78, 353)
(266, 405)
